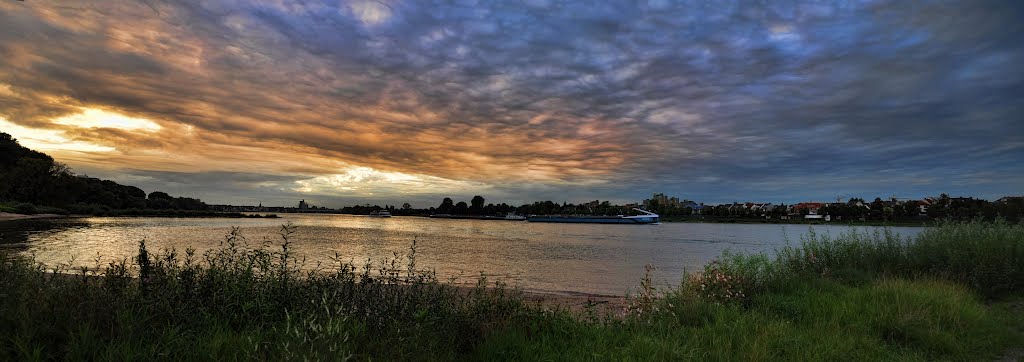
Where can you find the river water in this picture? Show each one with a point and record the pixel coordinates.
(556, 258)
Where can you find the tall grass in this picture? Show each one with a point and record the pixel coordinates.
(985, 257)
(242, 301)
(861, 296)
(856, 296)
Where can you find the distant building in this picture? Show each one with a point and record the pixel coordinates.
(814, 216)
(1009, 199)
(664, 201)
(303, 205)
(811, 207)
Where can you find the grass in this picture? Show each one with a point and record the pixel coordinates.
(951, 293)
(30, 209)
(813, 319)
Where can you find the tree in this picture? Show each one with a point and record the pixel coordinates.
(446, 206)
(460, 208)
(406, 206)
(477, 204)
(159, 200)
(888, 212)
(159, 195)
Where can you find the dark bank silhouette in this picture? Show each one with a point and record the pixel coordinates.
(31, 182)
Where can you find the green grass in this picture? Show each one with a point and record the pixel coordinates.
(814, 319)
(951, 293)
(30, 209)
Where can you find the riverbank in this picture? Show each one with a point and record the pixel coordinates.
(952, 293)
(716, 220)
(6, 216)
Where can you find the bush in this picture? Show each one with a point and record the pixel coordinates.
(986, 257)
(25, 208)
(89, 209)
(854, 297)
(244, 301)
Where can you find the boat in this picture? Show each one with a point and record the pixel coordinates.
(479, 217)
(645, 217)
(514, 216)
(380, 213)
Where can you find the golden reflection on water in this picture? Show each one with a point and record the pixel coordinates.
(604, 259)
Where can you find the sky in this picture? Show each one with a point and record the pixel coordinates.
(385, 102)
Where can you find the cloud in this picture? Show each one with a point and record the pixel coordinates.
(551, 99)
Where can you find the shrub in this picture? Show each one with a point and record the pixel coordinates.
(25, 208)
(987, 257)
(244, 300)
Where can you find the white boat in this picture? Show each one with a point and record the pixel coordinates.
(380, 213)
(513, 216)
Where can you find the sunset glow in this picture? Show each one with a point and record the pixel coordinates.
(97, 118)
(392, 101)
(48, 140)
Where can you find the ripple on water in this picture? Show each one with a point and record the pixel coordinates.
(584, 258)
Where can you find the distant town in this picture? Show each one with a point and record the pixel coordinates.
(674, 208)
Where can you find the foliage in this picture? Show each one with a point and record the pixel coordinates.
(29, 209)
(987, 257)
(857, 296)
(813, 319)
(242, 301)
(32, 177)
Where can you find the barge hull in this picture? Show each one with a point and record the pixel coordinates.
(594, 220)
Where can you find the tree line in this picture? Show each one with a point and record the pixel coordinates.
(31, 178)
(941, 207)
(478, 206)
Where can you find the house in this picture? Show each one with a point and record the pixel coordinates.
(811, 207)
(813, 215)
(922, 206)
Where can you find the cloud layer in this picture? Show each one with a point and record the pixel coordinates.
(385, 101)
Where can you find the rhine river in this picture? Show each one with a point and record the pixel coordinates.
(541, 257)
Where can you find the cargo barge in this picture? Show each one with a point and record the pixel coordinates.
(646, 217)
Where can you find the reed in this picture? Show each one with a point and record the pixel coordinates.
(953, 292)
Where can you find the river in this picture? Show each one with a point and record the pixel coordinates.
(542, 257)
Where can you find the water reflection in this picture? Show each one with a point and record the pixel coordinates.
(605, 259)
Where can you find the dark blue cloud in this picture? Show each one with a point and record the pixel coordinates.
(715, 101)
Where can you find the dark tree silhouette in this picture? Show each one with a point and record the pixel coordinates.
(477, 204)
(446, 206)
(33, 177)
(460, 208)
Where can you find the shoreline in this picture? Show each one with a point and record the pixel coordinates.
(793, 222)
(7, 216)
(571, 300)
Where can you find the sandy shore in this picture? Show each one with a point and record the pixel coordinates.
(6, 216)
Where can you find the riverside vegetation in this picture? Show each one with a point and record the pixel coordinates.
(953, 292)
